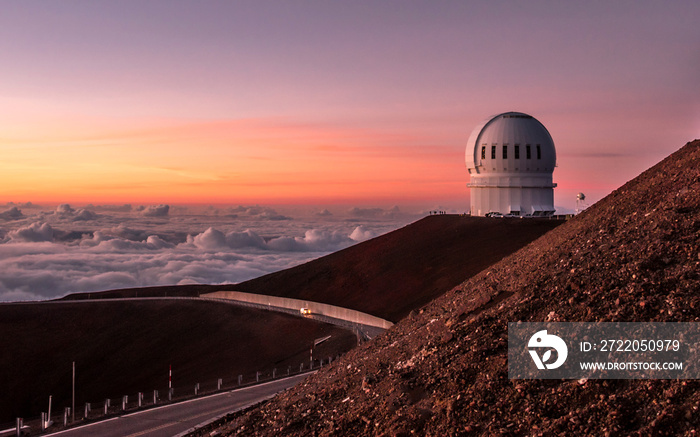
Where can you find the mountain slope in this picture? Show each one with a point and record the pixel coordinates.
(634, 256)
(395, 273)
(387, 276)
(121, 348)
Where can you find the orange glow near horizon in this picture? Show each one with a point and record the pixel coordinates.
(229, 161)
(243, 102)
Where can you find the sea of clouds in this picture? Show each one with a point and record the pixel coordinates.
(49, 252)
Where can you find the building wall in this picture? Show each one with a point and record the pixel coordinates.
(528, 194)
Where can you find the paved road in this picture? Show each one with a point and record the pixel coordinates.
(170, 420)
(366, 331)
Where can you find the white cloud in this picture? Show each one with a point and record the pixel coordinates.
(154, 242)
(23, 205)
(64, 208)
(247, 238)
(66, 212)
(35, 232)
(313, 241)
(84, 215)
(115, 279)
(210, 239)
(155, 211)
(110, 208)
(392, 213)
(124, 231)
(12, 214)
(366, 212)
(260, 212)
(361, 234)
(49, 254)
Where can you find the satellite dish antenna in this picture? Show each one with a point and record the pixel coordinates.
(580, 204)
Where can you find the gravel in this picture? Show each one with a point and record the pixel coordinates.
(633, 256)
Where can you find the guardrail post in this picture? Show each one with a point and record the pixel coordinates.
(66, 413)
(240, 379)
(42, 426)
(274, 373)
(301, 367)
(196, 389)
(257, 376)
(155, 397)
(106, 405)
(289, 370)
(87, 410)
(219, 383)
(125, 401)
(140, 399)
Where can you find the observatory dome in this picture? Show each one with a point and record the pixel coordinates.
(511, 142)
(511, 158)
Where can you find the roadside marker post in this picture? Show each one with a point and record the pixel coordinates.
(73, 406)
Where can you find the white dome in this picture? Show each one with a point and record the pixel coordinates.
(511, 158)
(511, 142)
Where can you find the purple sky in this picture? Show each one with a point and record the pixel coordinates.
(616, 83)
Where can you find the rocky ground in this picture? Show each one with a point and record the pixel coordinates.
(122, 348)
(634, 256)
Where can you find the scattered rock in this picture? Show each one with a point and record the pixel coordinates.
(416, 379)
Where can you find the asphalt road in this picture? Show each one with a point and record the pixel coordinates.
(170, 420)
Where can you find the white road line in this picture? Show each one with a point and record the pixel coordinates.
(85, 426)
(238, 390)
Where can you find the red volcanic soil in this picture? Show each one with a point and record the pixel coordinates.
(633, 256)
(126, 347)
(403, 270)
(122, 348)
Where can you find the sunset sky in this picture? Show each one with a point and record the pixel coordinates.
(320, 102)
